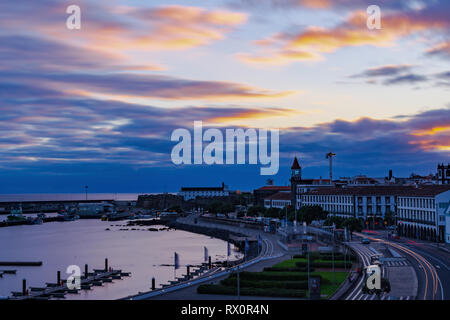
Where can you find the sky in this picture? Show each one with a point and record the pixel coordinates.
(97, 105)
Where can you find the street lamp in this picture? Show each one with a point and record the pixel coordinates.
(86, 188)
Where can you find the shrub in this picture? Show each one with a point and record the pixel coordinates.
(282, 269)
(272, 292)
(274, 276)
(232, 282)
(325, 264)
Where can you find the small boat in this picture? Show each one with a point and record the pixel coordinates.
(67, 216)
(41, 215)
(16, 215)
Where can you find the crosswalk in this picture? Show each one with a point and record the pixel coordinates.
(383, 297)
(396, 264)
(365, 252)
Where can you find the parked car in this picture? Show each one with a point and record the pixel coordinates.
(365, 241)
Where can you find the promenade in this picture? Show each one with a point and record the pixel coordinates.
(271, 254)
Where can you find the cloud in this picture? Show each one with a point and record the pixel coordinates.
(401, 74)
(383, 71)
(313, 42)
(124, 86)
(406, 79)
(415, 141)
(114, 28)
(325, 4)
(441, 50)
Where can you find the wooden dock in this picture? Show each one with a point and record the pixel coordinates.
(59, 290)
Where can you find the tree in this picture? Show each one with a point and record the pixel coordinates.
(352, 224)
(310, 213)
(255, 211)
(272, 213)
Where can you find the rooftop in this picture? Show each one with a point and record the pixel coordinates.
(280, 188)
(280, 196)
(419, 191)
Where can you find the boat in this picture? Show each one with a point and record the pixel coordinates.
(16, 215)
(64, 215)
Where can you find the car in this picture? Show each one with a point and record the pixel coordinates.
(395, 236)
(365, 241)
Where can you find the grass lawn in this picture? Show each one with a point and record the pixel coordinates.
(269, 283)
(328, 290)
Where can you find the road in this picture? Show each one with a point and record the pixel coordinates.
(430, 264)
(365, 252)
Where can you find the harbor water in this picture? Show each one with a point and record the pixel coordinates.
(144, 253)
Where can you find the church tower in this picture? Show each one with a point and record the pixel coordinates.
(296, 178)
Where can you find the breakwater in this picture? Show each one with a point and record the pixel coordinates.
(236, 238)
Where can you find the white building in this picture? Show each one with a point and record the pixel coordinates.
(422, 212)
(447, 224)
(278, 200)
(190, 193)
(369, 202)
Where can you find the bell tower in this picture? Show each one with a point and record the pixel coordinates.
(296, 178)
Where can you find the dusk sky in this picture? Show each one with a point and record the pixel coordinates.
(97, 106)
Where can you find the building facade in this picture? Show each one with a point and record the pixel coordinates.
(191, 193)
(278, 200)
(443, 174)
(421, 212)
(264, 192)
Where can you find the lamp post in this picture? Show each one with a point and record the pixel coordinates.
(332, 252)
(86, 189)
(286, 226)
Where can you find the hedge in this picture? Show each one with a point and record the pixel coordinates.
(281, 269)
(324, 264)
(272, 292)
(274, 276)
(326, 256)
(231, 282)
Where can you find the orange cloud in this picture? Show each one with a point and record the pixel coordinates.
(160, 28)
(431, 131)
(256, 114)
(316, 4)
(313, 42)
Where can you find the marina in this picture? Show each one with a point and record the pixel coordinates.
(142, 254)
(61, 288)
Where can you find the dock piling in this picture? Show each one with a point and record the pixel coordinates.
(58, 278)
(188, 271)
(106, 264)
(209, 262)
(24, 287)
(153, 283)
(86, 274)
